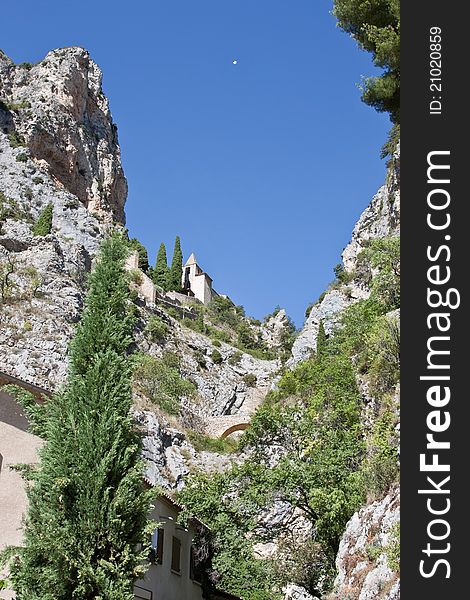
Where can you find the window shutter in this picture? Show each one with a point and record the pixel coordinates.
(159, 549)
(176, 555)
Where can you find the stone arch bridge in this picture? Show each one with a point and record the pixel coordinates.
(223, 426)
(217, 427)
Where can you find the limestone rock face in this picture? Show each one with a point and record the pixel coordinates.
(58, 108)
(381, 218)
(57, 146)
(326, 311)
(165, 451)
(363, 566)
(275, 328)
(223, 385)
(169, 456)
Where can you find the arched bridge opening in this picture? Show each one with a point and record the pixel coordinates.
(233, 428)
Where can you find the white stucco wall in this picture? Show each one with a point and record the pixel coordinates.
(201, 287)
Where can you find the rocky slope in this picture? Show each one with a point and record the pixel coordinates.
(366, 570)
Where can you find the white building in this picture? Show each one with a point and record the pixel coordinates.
(196, 283)
(172, 573)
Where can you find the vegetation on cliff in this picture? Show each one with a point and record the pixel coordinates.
(43, 225)
(308, 448)
(224, 321)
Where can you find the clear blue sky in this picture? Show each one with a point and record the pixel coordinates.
(261, 167)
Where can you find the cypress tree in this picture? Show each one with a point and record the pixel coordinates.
(87, 505)
(322, 340)
(160, 274)
(176, 270)
(142, 252)
(43, 225)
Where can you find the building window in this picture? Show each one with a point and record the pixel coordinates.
(176, 555)
(158, 537)
(186, 284)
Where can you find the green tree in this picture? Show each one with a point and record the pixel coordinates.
(214, 498)
(322, 340)
(87, 505)
(176, 270)
(134, 244)
(375, 25)
(161, 271)
(314, 416)
(43, 225)
(245, 336)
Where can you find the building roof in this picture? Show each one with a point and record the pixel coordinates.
(191, 260)
(164, 496)
(38, 392)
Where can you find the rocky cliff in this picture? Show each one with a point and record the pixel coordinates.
(367, 560)
(59, 148)
(58, 111)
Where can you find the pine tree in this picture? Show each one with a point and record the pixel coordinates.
(176, 270)
(87, 505)
(375, 25)
(160, 274)
(43, 225)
